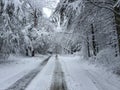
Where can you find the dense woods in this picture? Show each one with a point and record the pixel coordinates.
(22, 28)
(95, 24)
(90, 28)
(59, 44)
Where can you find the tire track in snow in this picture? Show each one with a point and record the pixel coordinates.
(59, 82)
(22, 83)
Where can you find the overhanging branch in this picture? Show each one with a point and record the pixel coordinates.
(106, 7)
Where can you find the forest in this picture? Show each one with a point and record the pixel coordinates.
(89, 29)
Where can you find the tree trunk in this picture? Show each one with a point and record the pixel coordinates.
(88, 46)
(26, 52)
(117, 19)
(33, 53)
(35, 18)
(93, 40)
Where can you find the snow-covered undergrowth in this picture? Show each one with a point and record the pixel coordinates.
(107, 59)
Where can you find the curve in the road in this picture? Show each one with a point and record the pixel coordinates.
(22, 83)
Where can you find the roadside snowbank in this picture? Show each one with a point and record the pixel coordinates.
(107, 59)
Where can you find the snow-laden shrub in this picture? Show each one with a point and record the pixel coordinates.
(115, 66)
(105, 56)
(108, 59)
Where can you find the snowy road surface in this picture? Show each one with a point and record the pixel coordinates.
(23, 82)
(59, 82)
(64, 73)
(16, 67)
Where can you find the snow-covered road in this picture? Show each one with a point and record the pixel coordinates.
(17, 67)
(64, 73)
(23, 82)
(58, 82)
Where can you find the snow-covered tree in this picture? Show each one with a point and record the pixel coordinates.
(93, 20)
(19, 30)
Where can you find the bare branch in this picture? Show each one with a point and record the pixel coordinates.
(30, 5)
(106, 7)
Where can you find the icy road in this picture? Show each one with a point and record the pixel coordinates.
(51, 73)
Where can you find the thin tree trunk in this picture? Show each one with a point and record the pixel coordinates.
(35, 18)
(88, 46)
(26, 52)
(93, 40)
(117, 19)
(33, 53)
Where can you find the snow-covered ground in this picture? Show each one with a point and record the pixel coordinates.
(77, 73)
(16, 67)
(80, 75)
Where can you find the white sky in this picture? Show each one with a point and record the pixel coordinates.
(47, 12)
